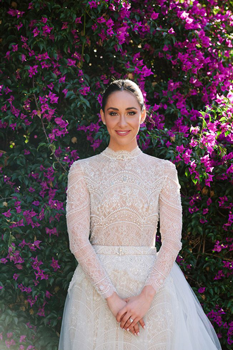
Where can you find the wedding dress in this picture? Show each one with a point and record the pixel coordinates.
(114, 202)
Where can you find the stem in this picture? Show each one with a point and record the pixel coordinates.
(44, 130)
(84, 33)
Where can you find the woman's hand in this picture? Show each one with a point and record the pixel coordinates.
(115, 304)
(136, 308)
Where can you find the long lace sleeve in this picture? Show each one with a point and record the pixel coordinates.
(170, 228)
(78, 226)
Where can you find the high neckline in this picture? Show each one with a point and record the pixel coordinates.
(121, 154)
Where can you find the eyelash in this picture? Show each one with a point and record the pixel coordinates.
(115, 113)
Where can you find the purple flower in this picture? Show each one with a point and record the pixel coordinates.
(52, 231)
(180, 149)
(33, 70)
(65, 92)
(4, 260)
(53, 98)
(101, 20)
(93, 4)
(47, 30)
(154, 15)
(48, 294)
(22, 338)
(78, 20)
(41, 312)
(55, 265)
(84, 90)
(71, 62)
(171, 31)
(7, 214)
(15, 13)
(36, 32)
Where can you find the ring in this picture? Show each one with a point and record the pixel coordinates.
(131, 320)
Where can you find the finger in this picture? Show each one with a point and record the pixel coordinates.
(136, 329)
(120, 314)
(134, 323)
(125, 319)
(133, 330)
(142, 323)
(128, 322)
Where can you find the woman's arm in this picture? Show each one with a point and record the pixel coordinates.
(78, 226)
(170, 212)
(170, 228)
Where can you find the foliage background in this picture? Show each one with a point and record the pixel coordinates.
(56, 58)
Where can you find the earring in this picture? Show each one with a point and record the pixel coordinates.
(104, 123)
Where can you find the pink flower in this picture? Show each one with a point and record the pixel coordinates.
(47, 30)
(36, 32)
(15, 48)
(48, 294)
(52, 231)
(154, 15)
(32, 71)
(92, 4)
(55, 265)
(22, 338)
(7, 214)
(65, 25)
(65, 92)
(84, 90)
(53, 98)
(171, 31)
(101, 20)
(180, 149)
(201, 290)
(41, 312)
(71, 62)
(44, 20)
(78, 20)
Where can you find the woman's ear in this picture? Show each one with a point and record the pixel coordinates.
(102, 116)
(143, 116)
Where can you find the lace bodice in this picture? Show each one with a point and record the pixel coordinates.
(116, 198)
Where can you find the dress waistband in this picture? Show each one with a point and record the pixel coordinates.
(124, 250)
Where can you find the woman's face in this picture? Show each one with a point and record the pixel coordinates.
(122, 116)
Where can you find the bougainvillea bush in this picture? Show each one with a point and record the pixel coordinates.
(56, 58)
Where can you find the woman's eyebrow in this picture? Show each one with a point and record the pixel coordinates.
(116, 109)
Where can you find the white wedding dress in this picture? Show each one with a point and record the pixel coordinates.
(114, 202)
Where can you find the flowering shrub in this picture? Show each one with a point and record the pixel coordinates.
(56, 59)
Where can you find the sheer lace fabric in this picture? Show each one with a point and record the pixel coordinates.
(114, 203)
(117, 198)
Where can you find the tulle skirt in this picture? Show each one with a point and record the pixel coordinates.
(175, 320)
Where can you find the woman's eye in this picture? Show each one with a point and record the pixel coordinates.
(112, 113)
(132, 113)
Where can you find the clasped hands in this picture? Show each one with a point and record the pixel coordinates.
(132, 308)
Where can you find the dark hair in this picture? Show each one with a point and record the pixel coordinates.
(123, 85)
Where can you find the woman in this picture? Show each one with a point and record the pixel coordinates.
(124, 295)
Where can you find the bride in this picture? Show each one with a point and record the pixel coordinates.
(124, 295)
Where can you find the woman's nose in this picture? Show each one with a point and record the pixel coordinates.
(122, 121)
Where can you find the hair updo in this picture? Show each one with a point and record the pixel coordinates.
(123, 85)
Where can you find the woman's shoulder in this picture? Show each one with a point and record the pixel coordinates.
(164, 163)
(85, 162)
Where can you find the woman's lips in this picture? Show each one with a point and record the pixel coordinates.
(122, 133)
